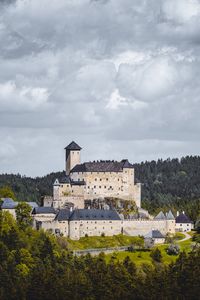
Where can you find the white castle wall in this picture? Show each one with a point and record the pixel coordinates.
(78, 229)
(142, 227)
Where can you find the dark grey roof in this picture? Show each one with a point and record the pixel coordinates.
(44, 210)
(63, 215)
(183, 218)
(82, 182)
(9, 203)
(102, 166)
(155, 234)
(94, 214)
(73, 146)
(65, 179)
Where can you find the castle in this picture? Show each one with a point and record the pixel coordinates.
(65, 213)
(93, 180)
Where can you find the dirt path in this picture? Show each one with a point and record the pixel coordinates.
(187, 237)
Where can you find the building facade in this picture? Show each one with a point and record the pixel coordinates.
(92, 180)
(183, 223)
(96, 222)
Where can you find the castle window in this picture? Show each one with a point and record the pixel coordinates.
(88, 187)
(100, 187)
(105, 187)
(107, 179)
(95, 179)
(94, 186)
(100, 179)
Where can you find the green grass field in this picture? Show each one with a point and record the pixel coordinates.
(140, 257)
(103, 242)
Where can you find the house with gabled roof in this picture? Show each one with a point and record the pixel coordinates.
(9, 205)
(154, 237)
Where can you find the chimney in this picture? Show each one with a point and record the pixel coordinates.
(177, 214)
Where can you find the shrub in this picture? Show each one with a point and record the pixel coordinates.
(156, 255)
(173, 249)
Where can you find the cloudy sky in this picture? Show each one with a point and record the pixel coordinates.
(120, 77)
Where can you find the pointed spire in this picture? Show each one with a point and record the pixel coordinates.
(160, 216)
(170, 215)
(73, 146)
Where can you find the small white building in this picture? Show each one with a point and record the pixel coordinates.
(154, 237)
(10, 205)
(183, 223)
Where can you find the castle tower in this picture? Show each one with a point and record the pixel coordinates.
(72, 156)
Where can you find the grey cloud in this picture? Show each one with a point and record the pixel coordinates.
(105, 73)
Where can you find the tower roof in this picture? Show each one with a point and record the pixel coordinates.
(160, 216)
(169, 215)
(73, 146)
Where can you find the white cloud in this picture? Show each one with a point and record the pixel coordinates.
(149, 81)
(13, 98)
(181, 11)
(116, 100)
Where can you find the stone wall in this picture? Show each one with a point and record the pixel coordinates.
(142, 227)
(78, 229)
(109, 184)
(72, 159)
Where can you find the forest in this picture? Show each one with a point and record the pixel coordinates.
(35, 265)
(170, 183)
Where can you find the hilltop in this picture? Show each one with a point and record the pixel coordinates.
(173, 183)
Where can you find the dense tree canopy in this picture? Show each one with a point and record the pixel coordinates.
(34, 266)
